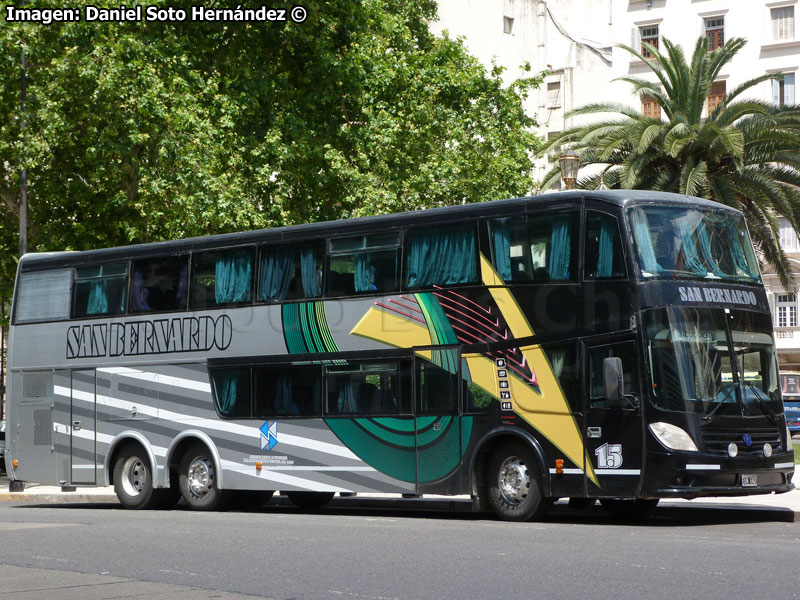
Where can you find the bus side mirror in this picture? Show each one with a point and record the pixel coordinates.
(612, 377)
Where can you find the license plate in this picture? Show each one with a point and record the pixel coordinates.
(749, 480)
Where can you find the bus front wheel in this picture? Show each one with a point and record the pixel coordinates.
(514, 485)
(133, 480)
(197, 479)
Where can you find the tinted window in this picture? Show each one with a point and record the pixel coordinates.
(437, 388)
(288, 391)
(221, 278)
(363, 265)
(603, 248)
(597, 390)
(290, 272)
(369, 388)
(100, 290)
(160, 284)
(232, 392)
(441, 256)
(535, 248)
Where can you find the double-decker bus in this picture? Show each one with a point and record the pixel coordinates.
(612, 345)
(790, 391)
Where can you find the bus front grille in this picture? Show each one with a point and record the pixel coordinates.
(716, 441)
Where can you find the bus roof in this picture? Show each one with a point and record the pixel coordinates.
(360, 225)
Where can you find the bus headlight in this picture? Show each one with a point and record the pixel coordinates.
(673, 437)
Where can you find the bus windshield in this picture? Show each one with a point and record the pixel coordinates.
(698, 361)
(692, 243)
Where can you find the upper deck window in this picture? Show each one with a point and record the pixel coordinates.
(441, 256)
(43, 296)
(160, 284)
(221, 278)
(603, 251)
(678, 242)
(364, 264)
(100, 290)
(535, 248)
(290, 272)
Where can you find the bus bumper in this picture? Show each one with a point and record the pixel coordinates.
(670, 476)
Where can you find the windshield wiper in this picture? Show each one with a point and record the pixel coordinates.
(763, 405)
(710, 414)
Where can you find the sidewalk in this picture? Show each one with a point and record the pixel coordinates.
(43, 494)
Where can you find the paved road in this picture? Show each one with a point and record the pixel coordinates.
(98, 551)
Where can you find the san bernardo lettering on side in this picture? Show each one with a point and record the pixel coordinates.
(716, 295)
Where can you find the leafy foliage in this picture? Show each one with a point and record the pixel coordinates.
(147, 131)
(744, 153)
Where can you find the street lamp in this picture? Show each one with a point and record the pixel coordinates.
(569, 162)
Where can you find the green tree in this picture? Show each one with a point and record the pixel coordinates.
(744, 153)
(148, 131)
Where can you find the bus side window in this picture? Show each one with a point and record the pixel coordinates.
(437, 389)
(441, 256)
(222, 278)
(603, 250)
(160, 284)
(365, 264)
(563, 361)
(535, 248)
(100, 290)
(43, 296)
(288, 391)
(232, 392)
(597, 393)
(290, 272)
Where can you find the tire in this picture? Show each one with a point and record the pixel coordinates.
(514, 484)
(133, 480)
(197, 480)
(309, 499)
(630, 509)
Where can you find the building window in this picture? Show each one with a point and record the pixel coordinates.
(787, 236)
(782, 23)
(650, 107)
(783, 90)
(554, 94)
(648, 35)
(508, 25)
(787, 310)
(715, 32)
(715, 95)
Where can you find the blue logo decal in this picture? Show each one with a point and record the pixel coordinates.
(269, 434)
(747, 439)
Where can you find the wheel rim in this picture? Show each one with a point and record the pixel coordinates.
(200, 476)
(134, 476)
(514, 480)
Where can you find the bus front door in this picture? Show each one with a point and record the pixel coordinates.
(83, 426)
(437, 374)
(613, 430)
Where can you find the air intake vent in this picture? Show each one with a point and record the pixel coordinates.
(716, 440)
(42, 427)
(37, 385)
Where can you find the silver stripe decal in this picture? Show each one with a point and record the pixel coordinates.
(160, 378)
(703, 467)
(618, 471)
(786, 465)
(567, 472)
(214, 425)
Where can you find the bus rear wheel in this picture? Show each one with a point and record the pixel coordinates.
(309, 499)
(197, 479)
(133, 480)
(514, 485)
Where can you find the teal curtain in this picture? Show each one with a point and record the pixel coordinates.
(444, 256)
(98, 298)
(605, 248)
(364, 273)
(312, 280)
(501, 244)
(277, 266)
(641, 233)
(705, 248)
(226, 385)
(691, 259)
(346, 402)
(558, 261)
(737, 253)
(234, 277)
(283, 395)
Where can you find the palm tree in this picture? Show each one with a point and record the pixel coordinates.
(745, 153)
